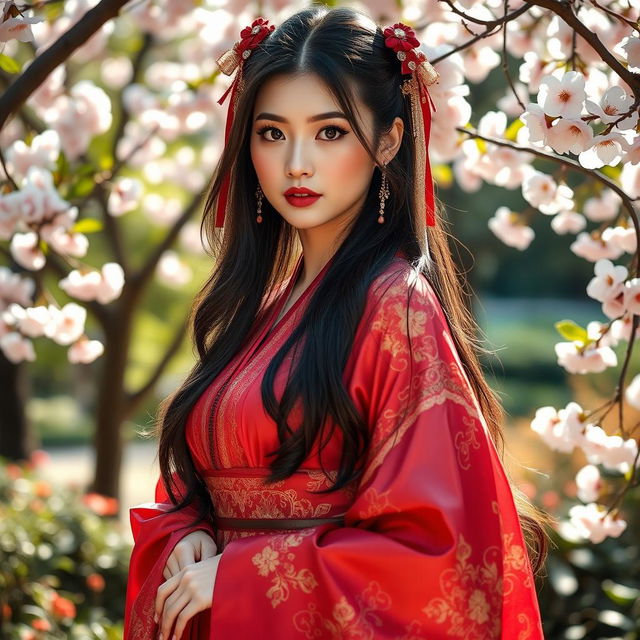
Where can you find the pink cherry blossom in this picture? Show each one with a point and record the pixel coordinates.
(608, 281)
(67, 324)
(621, 328)
(18, 28)
(506, 225)
(569, 134)
(172, 271)
(15, 288)
(632, 295)
(589, 360)
(590, 522)
(70, 244)
(602, 207)
(589, 483)
(16, 347)
(624, 237)
(125, 196)
(26, 252)
(535, 121)
(562, 94)
(30, 320)
(593, 249)
(43, 152)
(83, 286)
(85, 351)
(568, 222)
(111, 284)
(541, 191)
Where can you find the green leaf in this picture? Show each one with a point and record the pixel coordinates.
(9, 65)
(571, 331)
(87, 225)
(620, 593)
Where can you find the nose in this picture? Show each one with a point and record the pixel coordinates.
(299, 163)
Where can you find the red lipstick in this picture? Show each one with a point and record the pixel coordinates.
(306, 197)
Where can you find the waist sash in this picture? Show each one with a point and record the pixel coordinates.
(273, 523)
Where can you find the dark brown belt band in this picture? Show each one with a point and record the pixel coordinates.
(272, 523)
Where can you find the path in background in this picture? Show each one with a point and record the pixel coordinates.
(74, 465)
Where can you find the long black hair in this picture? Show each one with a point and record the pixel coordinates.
(345, 49)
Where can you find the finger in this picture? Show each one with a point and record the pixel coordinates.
(173, 606)
(171, 568)
(186, 555)
(185, 615)
(164, 591)
(207, 548)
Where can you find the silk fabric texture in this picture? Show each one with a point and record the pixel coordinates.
(431, 546)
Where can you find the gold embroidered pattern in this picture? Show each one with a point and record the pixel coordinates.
(346, 621)
(378, 503)
(277, 558)
(473, 594)
(465, 441)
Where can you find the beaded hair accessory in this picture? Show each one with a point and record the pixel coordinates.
(401, 39)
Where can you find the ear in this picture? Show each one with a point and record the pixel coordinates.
(390, 142)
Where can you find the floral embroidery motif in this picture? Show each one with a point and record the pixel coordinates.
(474, 595)
(277, 558)
(465, 441)
(378, 503)
(346, 621)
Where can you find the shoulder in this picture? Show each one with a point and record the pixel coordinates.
(398, 293)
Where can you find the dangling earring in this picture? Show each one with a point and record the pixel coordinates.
(384, 194)
(259, 195)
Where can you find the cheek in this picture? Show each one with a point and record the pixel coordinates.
(350, 165)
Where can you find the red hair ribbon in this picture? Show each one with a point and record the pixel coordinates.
(402, 39)
(228, 62)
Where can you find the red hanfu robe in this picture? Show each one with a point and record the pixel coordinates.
(431, 546)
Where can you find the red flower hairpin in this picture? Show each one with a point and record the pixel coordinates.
(228, 62)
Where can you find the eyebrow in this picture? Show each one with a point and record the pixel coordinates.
(320, 116)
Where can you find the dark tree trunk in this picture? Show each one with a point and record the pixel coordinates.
(16, 437)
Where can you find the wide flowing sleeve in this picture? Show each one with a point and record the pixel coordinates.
(155, 533)
(432, 546)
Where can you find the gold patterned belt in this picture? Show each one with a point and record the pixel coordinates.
(273, 523)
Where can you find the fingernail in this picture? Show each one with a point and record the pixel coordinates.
(160, 637)
(155, 618)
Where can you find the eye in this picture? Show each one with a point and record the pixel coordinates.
(331, 127)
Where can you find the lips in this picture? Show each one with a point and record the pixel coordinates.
(300, 192)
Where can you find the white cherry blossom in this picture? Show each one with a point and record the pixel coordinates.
(172, 271)
(591, 359)
(608, 281)
(561, 430)
(631, 46)
(31, 321)
(624, 237)
(534, 119)
(15, 288)
(604, 150)
(26, 252)
(613, 452)
(612, 105)
(632, 392)
(67, 324)
(589, 483)
(562, 94)
(590, 522)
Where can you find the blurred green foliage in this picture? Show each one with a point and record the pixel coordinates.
(63, 562)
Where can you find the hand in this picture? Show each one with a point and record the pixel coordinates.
(185, 594)
(196, 546)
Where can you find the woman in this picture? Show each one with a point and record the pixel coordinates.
(329, 469)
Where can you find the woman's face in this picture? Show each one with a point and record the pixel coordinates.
(294, 143)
